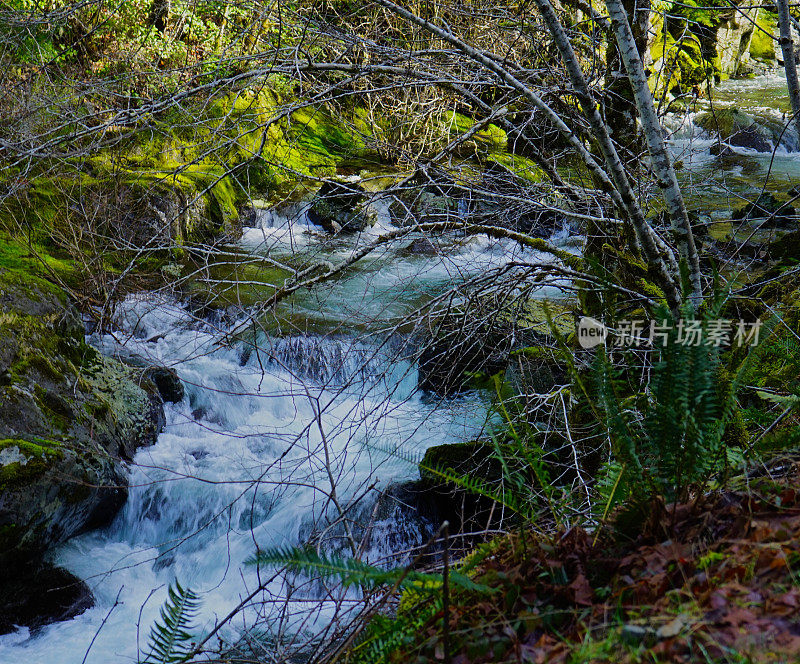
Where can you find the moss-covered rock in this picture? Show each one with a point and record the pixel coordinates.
(768, 208)
(762, 45)
(69, 417)
(737, 128)
(703, 43)
(461, 356)
(340, 206)
(475, 462)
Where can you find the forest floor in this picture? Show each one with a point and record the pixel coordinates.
(716, 579)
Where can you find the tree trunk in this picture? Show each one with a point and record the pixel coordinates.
(661, 160)
(619, 104)
(653, 248)
(789, 64)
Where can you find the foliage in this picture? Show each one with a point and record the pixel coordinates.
(170, 640)
(354, 572)
(671, 437)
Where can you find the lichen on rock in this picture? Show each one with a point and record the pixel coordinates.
(69, 418)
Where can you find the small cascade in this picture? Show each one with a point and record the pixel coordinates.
(277, 228)
(332, 361)
(245, 460)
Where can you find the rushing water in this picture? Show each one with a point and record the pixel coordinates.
(249, 457)
(725, 182)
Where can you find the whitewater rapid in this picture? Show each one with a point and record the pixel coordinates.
(247, 459)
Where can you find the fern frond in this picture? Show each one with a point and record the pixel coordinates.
(170, 640)
(352, 572)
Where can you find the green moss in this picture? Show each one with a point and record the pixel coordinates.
(679, 62)
(244, 283)
(26, 460)
(32, 266)
(491, 136)
(762, 46)
(519, 165)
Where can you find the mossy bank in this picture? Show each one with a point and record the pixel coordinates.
(69, 418)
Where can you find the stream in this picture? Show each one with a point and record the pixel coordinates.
(248, 459)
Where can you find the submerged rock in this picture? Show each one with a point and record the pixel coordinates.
(767, 207)
(69, 418)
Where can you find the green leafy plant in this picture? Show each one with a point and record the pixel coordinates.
(170, 639)
(352, 572)
(669, 437)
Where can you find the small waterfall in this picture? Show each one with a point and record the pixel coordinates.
(246, 460)
(333, 360)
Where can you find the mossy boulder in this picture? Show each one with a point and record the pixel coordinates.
(69, 418)
(767, 207)
(536, 369)
(736, 128)
(786, 247)
(476, 462)
(762, 45)
(339, 206)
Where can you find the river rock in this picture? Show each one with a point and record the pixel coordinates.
(538, 222)
(69, 418)
(40, 596)
(422, 247)
(164, 379)
(736, 128)
(340, 207)
(420, 206)
(768, 207)
(786, 247)
(451, 362)
(167, 383)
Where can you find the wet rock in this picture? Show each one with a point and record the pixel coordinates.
(721, 150)
(752, 137)
(340, 207)
(736, 128)
(420, 206)
(42, 595)
(422, 247)
(767, 207)
(786, 247)
(69, 417)
(451, 363)
(167, 382)
(538, 222)
(466, 510)
(536, 369)
(163, 381)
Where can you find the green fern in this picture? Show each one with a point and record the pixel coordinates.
(675, 438)
(170, 639)
(352, 572)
